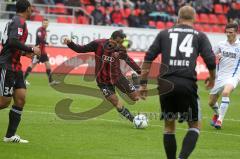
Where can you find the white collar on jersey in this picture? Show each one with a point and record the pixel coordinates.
(236, 42)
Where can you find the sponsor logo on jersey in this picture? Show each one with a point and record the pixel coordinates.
(229, 54)
(108, 58)
(20, 31)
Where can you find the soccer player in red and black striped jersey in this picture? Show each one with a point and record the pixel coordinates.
(11, 80)
(41, 36)
(108, 53)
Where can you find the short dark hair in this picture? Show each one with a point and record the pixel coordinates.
(22, 6)
(45, 19)
(118, 33)
(232, 25)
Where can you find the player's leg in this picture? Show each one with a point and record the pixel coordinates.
(16, 110)
(213, 98)
(31, 67)
(190, 139)
(6, 87)
(109, 93)
(126, 87)
(192, 107)
(228, 88)
(169, 140)
(169, 114)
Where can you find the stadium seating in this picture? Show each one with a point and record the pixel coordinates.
(203, 18)
(60, 9)
(222, 19)
(169, 24)
(206, 28)
(216, 28)
(160, 25)
(89, 9)
(218, 8)
(213, 19)
(37, 17)
(152, 23)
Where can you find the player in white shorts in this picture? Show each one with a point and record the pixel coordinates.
(227, 74)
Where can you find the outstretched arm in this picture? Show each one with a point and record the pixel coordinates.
(131, 63)
(90, 47)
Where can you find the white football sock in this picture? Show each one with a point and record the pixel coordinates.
(223, 108)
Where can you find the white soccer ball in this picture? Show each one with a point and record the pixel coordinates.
(140, 121)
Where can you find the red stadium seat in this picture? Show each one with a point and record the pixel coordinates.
(203, 18)
(127, 12)
(225, 9)
(218, 8)
(169, 24)
(137, 12)
(197, 19)
(62, 19)
(222, 28)
(152, 23)
(37, 17)
(160, 25)
(60, 8)
(216, 28)
(213, 19)
(238, 6)
(89, 9)
(222, 19)
(198, 27)
(103, 10)
(206, 28)
(82, 20)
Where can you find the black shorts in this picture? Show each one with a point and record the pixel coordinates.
(122, 84)
(43, 58)
(182, 102)
(9, 81)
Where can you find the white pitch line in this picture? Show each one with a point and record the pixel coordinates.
(117, 121)
(204, 117)
(153, 125)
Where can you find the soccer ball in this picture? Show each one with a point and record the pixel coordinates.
(140, 121)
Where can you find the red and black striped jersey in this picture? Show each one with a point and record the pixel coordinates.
(41, 36)
(10, 56)
(107, 59)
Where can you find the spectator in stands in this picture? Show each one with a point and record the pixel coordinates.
(144, 19)
(233, 14)
(149, 6)
(107, 18)
(205, 6)
(49, 2)
(133, 20)
(117, 16)
(98, 15)
(128, 4)
(171, 7)
(11, 7)
(161, 6)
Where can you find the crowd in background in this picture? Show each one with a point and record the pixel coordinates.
(140, 12)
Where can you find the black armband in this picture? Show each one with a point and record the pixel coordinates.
(143, 82)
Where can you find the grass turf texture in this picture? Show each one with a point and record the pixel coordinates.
(109, 136)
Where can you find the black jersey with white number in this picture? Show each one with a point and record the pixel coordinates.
(9, 56)
(180, 46)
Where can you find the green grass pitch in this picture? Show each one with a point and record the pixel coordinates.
(109, 136)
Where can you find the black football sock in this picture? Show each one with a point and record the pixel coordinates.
(170, 145)
(49, 74)
(29, 69)
(14, 120)
(189, 143)
(126, 113)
